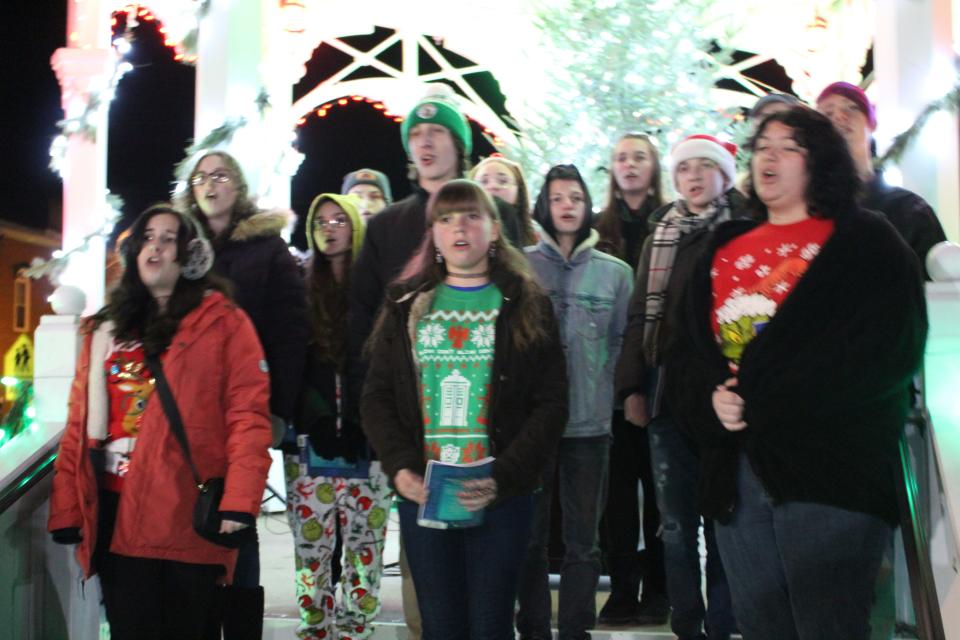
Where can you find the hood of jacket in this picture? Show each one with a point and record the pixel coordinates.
(581, 252)
(541, 208)
(350, 206)
(261, 225)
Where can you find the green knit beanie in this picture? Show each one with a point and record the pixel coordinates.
(438, 107)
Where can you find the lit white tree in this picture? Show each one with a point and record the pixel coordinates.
(614, 66)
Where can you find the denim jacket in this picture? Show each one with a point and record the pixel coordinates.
(590, 292)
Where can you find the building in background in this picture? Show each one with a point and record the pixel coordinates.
(22, 300)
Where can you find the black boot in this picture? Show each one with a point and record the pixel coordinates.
(215, 615)
(622, 607)
(653, 611)
(243, 614)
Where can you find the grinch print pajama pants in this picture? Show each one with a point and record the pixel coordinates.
(315, 507)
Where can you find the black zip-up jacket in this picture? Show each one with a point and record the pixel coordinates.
(826, 383)
(528, 404)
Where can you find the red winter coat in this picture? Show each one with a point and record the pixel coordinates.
(216, 372)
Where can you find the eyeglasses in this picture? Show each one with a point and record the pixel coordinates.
(200, 178)
(339, 223)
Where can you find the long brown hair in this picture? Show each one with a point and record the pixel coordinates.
(327, 298)
(327, 303)
(608, 222)
(509, 269)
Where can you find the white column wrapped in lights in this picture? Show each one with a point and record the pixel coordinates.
(244, 73)
(229, 52)
(85, 71)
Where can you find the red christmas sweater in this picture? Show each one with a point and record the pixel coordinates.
(129, 386)
(754, 273)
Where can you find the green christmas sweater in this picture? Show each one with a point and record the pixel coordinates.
(454, 349)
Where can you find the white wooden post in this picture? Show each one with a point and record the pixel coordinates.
(913, 59)
(83, 68)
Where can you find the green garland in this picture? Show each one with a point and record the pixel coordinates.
(949, 102)
(222, 135)
(18, 418)
(53, 267)
(219, 136)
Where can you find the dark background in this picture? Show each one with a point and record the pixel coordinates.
(151, 119)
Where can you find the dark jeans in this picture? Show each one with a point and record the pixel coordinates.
(581, 465)
(630, 463)
(675, 469)
(466, 579)
(149, 599)
(800, 570)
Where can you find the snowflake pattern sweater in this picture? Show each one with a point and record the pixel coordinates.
(754, 274)
(454, 348)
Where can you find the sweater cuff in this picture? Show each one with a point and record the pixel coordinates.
(68, 535)
(239, 516)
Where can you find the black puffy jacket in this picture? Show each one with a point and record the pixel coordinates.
(268, 286)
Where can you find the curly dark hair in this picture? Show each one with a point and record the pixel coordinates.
(834, 185)
(134, 312)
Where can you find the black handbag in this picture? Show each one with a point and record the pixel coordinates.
(206, 511)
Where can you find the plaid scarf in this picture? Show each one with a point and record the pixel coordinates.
(676, 223)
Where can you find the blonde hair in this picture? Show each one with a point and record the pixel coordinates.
(527, 234)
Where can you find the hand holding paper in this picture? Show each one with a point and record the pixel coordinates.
(477, 494)
(456, 494)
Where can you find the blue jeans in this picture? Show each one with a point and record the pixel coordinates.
(581, 465)
(800, 570)
(466, 579)
(675, 472)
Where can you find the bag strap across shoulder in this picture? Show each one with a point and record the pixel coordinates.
(173, 414)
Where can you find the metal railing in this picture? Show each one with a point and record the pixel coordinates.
(916, 543)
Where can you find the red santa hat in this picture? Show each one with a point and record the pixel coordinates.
(702, 145)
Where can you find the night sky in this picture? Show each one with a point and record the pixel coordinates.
(32, 31)
(151, 120)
